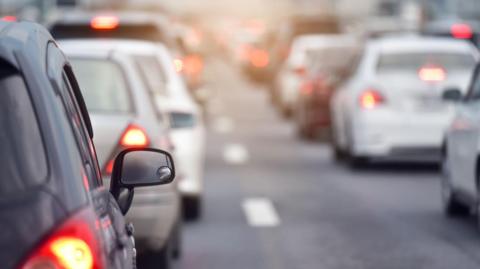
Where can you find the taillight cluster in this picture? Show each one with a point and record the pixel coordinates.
(72, 246)
(133, 137)
(371, 99)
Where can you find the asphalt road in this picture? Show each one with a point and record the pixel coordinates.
(275, 202)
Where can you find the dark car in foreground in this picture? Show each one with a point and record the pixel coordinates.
(55, 211)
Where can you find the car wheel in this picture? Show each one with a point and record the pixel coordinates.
(358, 162)
(164, 257)
(192, 208)
(177, 241)
(451, 206)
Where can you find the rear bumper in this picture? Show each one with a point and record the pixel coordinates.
(397, 136)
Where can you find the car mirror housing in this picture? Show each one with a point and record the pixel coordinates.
(452, 95)
(143, 167)
(140, 168)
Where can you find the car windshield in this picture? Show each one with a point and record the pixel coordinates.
(409, 61)
(103, 85)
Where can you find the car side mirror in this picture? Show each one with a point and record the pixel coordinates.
(140, 168)
(452, 95)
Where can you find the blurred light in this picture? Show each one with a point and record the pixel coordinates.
(109, 167)
(432, 74)
(104, 22)
(134, 136)
(259, 58)
(192, 65)
(371, 99)
(178, 64)
(306, 88)
(300, 71)
(9, 18)
(462, 31)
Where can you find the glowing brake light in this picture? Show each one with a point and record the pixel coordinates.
(9, 18)
(461, 31)
(259, 58)
(371, 99)
(432, 74)
(72, 246)
(134, 136)
(104, 22)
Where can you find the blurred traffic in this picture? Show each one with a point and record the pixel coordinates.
(252, 134)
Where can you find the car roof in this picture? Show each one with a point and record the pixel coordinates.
(104, 47)
(405, 43)
(21, 38)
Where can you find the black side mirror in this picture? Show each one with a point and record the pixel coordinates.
(452, 95)
(140, 168)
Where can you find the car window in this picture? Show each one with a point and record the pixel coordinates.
(22, 156)
(103, 85)
(182, 120)
(80, 133)
(152, 74)
(413, 61)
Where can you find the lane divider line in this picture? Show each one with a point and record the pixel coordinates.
(260, 212)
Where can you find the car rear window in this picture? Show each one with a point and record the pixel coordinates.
(22, 156)
(145, 31)
(413, 61)
(333, 59)
(103, 85)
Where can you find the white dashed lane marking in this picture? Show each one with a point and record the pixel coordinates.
(235, 154)
(260, 212)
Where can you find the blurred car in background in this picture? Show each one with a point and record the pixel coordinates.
(454, 28)
(124, 116)
(391, 107)
(293, 71)
(154, 27)
(326, 66)
(461, 155)
(187, 130)
(280, 43)
(55, 210)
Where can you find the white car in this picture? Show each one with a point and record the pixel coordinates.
(186, 122)
(461, 153)
(391, 106)
(124, 116)
(290, 76)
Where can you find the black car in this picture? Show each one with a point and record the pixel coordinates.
(55, 211)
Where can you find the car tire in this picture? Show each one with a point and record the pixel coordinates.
(192, 208)
(358, 162)
(451, 206)
(177, 241)
(164, 257)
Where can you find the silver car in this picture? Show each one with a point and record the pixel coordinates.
(124, 116)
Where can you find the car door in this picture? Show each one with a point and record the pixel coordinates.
(117, 244)
(463, 140)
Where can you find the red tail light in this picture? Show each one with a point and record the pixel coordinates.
(371, 99)
(432, 74)
(462, 31)
(104, 22)
(300, 71)
(72, 246)
(134, 136)
(9, 18)
(307, 88)
(259, 58)
(192, 65)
